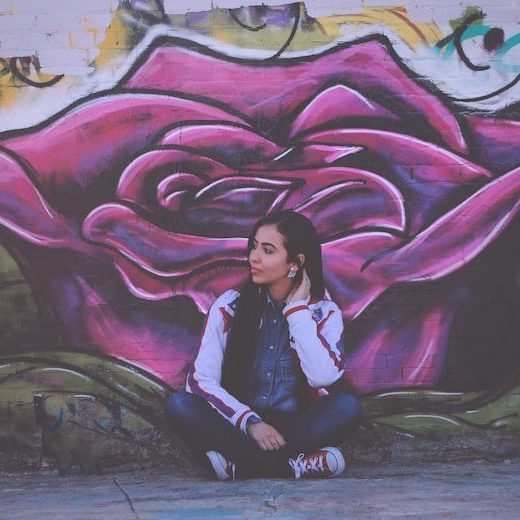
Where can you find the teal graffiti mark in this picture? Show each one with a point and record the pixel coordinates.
(501, 58)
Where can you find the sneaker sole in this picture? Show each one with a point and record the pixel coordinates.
(218, 464)
(340, 459)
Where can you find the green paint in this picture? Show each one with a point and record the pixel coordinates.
(19, 317)
(96, 408)
(469, 11)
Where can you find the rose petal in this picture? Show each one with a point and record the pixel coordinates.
(234, 146)
(336, 104)
(228, 207)
(24, 212)
(270, 92)
(155, 250)
(403, 344)
(140, 283)
(429, 162)
(458, 236)
(77, 154)
(163, 348)
(253, 196)
(341, 200)
(447, 245)
(495, 142)
(152, 168)
(350, 286)
(202, 286)
(304, 155)
(426, 174)
(174, 183)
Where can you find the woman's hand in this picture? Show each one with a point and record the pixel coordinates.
(301, 291)
(266, 436)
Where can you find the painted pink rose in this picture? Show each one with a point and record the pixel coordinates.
(132, 196)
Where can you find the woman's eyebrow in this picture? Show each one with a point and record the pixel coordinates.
(265, 243)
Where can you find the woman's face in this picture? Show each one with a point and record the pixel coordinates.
(268, 257)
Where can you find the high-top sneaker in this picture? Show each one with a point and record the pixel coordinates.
(325, 463)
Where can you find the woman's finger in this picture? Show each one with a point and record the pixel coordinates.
(272, 443)
(262, 444)
(280, 440)
(277, 441)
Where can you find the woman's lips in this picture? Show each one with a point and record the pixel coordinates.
(255, 271)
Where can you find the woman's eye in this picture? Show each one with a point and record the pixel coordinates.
(268, 251)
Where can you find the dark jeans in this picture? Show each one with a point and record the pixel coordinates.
(328, 422)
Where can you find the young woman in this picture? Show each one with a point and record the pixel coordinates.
(248, 403)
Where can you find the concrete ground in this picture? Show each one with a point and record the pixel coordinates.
(476, 490)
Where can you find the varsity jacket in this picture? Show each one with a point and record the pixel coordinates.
(315, 331)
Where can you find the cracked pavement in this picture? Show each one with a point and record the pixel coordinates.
(477, 489)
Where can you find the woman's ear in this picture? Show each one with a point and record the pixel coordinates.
(301, 259)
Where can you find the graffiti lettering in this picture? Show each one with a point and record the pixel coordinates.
(493, 42)
(234, 15)
(21, 68)
(293, 11)
(126, 212)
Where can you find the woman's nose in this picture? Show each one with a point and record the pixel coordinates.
(252, 257)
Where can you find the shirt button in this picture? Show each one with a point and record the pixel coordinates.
(274, 321)
(268, 374)
(263, 397)
(271, 347)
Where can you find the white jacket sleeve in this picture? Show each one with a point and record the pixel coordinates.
(205, 375)
(317, 345)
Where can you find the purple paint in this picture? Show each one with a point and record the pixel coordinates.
(145, 196)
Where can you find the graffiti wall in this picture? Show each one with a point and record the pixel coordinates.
(141, 140)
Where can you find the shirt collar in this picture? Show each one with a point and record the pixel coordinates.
(281, 305)
(269, 300)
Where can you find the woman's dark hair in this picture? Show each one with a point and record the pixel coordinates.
(300, 237)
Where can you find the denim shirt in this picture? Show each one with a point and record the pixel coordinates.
(274, 380)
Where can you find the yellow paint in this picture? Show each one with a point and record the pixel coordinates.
(115, 44)
(94, 32)
(414, 34)
(120, 38)
(13, 91)
(225, 30)
(325, 30)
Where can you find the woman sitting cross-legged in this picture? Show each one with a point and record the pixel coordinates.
(264, 350)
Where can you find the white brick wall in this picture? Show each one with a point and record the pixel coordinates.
(65, 36)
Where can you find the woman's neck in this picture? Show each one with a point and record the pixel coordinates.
(280, 290)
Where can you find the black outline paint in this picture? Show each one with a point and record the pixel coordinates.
(295, 8)
(237, 20)
(16, 72)
(283, 48)
(492, 94)
(456, 36)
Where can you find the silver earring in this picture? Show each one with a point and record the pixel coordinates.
(291, 273)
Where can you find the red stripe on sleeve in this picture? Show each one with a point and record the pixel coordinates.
(239, 421)
(332, 355)
(295, 309)
(321, 324)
